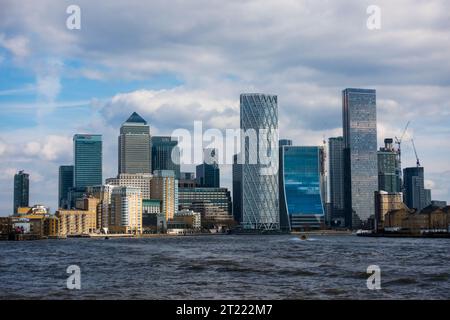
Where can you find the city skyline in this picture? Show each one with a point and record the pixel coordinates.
(49, 92)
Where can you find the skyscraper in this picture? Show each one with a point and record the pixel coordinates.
(360, 154)
(21, 190)
(166, 154)
(65, 183)
(259, 149)
(126, 210)
(208, 173)
(88, 160)
(237, 189)
(415, 196)
(164, 187)
(336, 180)
(134, 146)
(302, 191)
(388, 177)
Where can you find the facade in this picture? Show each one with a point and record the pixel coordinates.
(166, 154)
(384, 203)
(139, 180)
(302, 204)
(360, 155)
(65, 183)
(21, 190)
(336, 180)
(388, 178)
(414, 185)
(189, 217)
(87, 160)
(151, 206)
(208, 173)
(237, 189)
(103, 193)
(165, 188)
(259, 123)
(134, 146)
(218, 197)
(76, 222)
(126, 210)
(429, 220)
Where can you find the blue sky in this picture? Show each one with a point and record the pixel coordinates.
(189, 60)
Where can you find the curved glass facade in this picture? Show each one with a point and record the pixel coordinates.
(302, 186)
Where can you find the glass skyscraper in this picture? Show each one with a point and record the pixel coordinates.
(166, 154)
(237, 189)
(134, 146)
(65, 183)
(260, 202)
(21, 190)
(388, 178)
(415, 196)
(88, 160)
(208, 173)
(302, 187)
(360, 155)
(336, 179)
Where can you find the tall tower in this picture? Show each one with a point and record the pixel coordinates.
(414, 183)
(88, 160)
(336, 179)
(388, 178)
(166, 154)
(208, 173)
(259, 151)
(360, 154)
(21, 190)
(134, 146)
(65, 182)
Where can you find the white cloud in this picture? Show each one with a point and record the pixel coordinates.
(18, 46)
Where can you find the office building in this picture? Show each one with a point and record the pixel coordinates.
(126, 210)
(166, 154)
(302, 202)
(259, 149)
(139, 180)
(164, 187)
(360, 155)
(388, 178)
(439, 203)
(87, 160)
(336, 181)
(65, 183)
(208, 173)
(134, 146)
(103, 193)
(187, 180)
(218, 197)
(21, 190)
(191, 218)
(414, 186)
(237, 189)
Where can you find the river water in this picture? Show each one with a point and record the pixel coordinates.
(226, 267)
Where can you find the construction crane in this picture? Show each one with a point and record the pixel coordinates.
(415, 152)
(398, 142)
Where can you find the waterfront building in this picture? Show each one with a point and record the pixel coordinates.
(388, 178)
(166, 154)
(414, 185)
(260, 202)
(103, 193)
(237, 189)
(76, 222)
(164, 187)
(189, 217)
(431, 219)
(139, 180)
(302, 203)
(336, 180)
(65, 183)
(126, 210)
(51, 226)
(219, 197)
(87, 160)
(384, 203)
(134, 146)
(208, 173)
(360, 155)
(21, 190)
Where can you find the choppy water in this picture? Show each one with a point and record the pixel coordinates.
(226, 267)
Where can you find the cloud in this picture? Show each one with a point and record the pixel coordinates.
(18, 46)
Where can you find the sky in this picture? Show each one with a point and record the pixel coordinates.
(176, 62)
